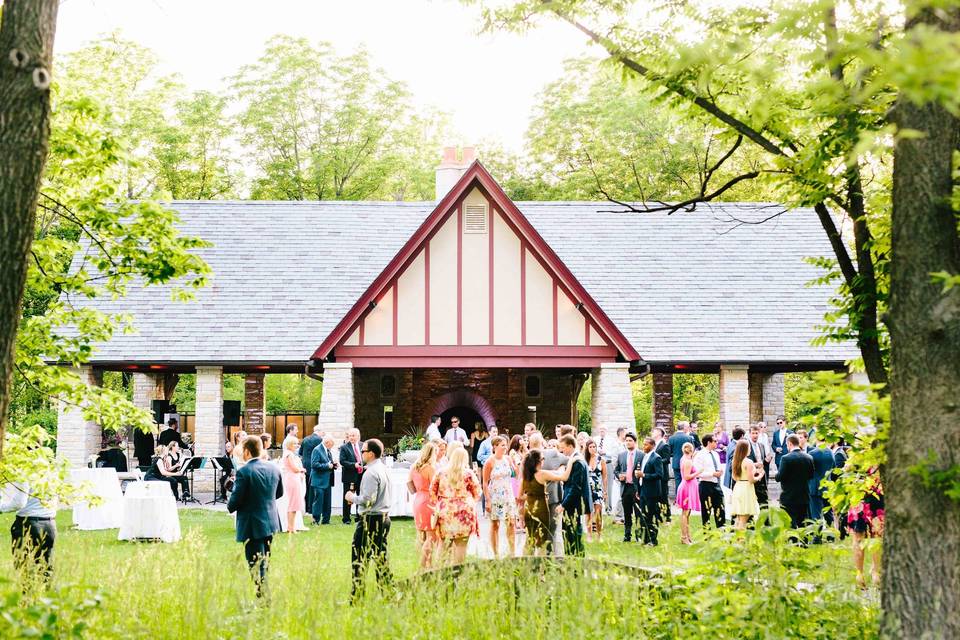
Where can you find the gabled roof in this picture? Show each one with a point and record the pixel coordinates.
(691, 287)
(477, 176)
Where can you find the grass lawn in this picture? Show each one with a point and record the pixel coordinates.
(200, 588)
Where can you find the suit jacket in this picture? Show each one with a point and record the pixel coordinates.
(254, 499)
(676, 443)
(777, 442)
(621, 467)
(823, 464)
(553, 460)
(348, 470)
(663, 450)
(794, 475)
(309, 443)
(839, 462)
(651, 485)
(321, 468)
(576, 491)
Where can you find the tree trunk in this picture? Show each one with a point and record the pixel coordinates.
(27, 28)
(921, 551)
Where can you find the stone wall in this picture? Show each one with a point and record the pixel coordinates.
(734, 395)
(773, 398)
(612, 397)
(78, 438)
(336, 415)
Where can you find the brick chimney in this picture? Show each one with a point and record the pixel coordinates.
(451, 169)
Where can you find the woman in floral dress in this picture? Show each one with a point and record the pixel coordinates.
(498, 474)
(455, 491)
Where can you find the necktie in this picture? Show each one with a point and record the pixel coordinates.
(714, 460)
(356, 452)
(630, 455)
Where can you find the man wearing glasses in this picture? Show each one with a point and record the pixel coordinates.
(455, 433)
(780, 440)
(373, 525)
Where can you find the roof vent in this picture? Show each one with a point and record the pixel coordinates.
(475, 218)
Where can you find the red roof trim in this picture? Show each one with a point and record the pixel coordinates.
(476, 173)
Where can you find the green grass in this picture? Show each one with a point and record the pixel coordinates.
(200, 588)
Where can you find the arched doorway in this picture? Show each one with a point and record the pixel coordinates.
(470, 407)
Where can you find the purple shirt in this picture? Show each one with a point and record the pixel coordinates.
(723, 441)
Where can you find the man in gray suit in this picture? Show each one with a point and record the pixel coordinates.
(254, 499)
(552, 460)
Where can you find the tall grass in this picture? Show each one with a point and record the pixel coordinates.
(725, 587)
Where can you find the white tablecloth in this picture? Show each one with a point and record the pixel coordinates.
(402, 501)
(105, 484)
(150, 512)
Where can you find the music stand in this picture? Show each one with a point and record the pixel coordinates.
(192, 465)
(221, 465)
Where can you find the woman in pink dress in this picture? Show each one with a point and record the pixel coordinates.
(456, 489)
(421, 475)
(688, 493)
(293, 476)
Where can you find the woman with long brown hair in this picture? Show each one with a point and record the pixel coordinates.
(744, 503)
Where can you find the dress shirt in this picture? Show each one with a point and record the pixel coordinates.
(433, 433)
(374, 496)
(485, 451)
(707, 462)
(764, 439)
(16, 497)
(456, 435)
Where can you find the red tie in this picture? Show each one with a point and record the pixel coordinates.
(630, 455)
(356, 452)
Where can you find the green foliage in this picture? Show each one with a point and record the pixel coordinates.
(413, 439)
(860, 416)
(696, 398)
(62, 614)
(935, 476)
(322, 126)
(292, 394)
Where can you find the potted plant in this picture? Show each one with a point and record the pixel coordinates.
(408, 447)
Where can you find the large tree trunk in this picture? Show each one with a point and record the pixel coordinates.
(26, 58)
(921, 563)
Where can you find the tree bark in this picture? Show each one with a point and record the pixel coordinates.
(27, 29)
(921, 551)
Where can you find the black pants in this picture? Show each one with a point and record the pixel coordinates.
(370, 543)
(320, 508)
(760, 487)
(349, 481)
(308, 497)
(664, 513)
(257, 551)
(572, 534)
(798, 514)
(631, 508)
(649, 506)
(711, 502)
(32, 543)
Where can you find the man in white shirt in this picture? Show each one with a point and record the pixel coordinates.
(455, 433)
(779, 444)
(433, 429)
(707, 461)
(33, 533)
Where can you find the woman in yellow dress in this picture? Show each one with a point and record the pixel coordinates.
(744, 502)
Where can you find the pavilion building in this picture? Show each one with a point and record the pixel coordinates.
(475, 305)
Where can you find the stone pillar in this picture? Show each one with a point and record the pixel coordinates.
(734, 395)
(208, 432)
(77, 437)
(336, 400)
(254, 402)
(612, 397)
(773, 399)
(755, 387)
(147, 387)
(663, 401)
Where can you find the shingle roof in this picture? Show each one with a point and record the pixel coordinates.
(690, 287)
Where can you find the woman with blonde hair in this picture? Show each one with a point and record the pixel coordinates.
(455, 490)
(293, 476)
(688, 493)
(498, 495)
(743, 504)
(421, 475)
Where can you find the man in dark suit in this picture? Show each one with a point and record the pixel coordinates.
(676, 442)
(823, 464)
(306, 455)
(794, 475)
(576, 498)
(839, 462)
(321, 477)
(780, 440)
(663, 450)
(254, 499)
(351, 466)
(627, 462)
(650, 474)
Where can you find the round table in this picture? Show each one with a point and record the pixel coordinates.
(150, 512)
(103, 483)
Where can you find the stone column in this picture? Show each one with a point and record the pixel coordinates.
(255, 403)
(208, 432)
(663, 401)
(773, 399)
(612, 397)
(147, 387)
(77, 437)
(336, 400)
(734, 395)
(755, 386)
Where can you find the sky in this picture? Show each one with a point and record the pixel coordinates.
(488, 83)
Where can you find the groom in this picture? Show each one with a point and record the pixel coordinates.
(576, 498)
